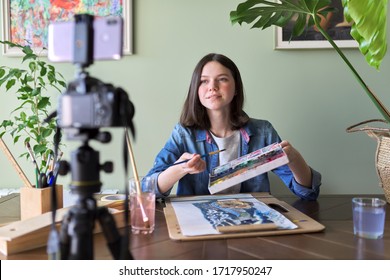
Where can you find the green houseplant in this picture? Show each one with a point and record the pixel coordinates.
(31, 85)
(368, 19)
(368, 27)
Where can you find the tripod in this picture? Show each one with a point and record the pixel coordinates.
(85, 106)
(76, 235)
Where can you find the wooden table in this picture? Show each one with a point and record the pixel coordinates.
(337, 241)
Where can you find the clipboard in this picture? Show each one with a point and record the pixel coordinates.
(305, 223)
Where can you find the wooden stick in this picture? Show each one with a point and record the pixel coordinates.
(137, 183)
(14, 163)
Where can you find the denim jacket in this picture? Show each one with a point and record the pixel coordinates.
(254, 135)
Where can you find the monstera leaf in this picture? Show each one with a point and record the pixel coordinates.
(267, 13)
(369, 26)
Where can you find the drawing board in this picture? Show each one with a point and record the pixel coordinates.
(302, 222)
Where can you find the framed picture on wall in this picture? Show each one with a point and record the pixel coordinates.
(28, 23)
(335, 25)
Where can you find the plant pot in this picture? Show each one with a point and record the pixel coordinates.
(35, 201)
(382, 162)
(382, 155)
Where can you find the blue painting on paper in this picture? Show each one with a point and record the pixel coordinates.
(231, 212)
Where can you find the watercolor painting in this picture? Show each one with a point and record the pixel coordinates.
(232, 212)
(27, 21)
(201, 216)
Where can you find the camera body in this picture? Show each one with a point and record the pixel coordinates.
(101, 105)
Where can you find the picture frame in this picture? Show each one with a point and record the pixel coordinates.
(335, 24)
(281, 43)
(10, 26)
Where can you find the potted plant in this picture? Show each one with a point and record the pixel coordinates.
(368, 28)
(31, 85)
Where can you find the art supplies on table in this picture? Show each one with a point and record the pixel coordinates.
(233, 216)
(246, 167)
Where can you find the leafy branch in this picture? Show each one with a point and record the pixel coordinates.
(31, 85)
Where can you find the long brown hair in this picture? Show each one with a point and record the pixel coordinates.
(194, 114)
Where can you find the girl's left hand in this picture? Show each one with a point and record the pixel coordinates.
(290, 151)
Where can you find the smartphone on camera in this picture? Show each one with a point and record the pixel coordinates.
(108, 39)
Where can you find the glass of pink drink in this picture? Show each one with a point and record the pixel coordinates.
(142, 205)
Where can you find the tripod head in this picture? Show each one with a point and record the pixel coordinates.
(84, 165)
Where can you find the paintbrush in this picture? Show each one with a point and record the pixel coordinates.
(202, 156)
(32, 155)
(37, 172)
(137, 182)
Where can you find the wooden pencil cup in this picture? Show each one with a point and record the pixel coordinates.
(34, 201)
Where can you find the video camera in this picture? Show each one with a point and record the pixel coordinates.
(89, 103)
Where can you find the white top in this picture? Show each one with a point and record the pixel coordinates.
(231, 145)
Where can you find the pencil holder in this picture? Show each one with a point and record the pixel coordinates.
(35, 201)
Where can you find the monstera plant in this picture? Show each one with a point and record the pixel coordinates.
(368, 20)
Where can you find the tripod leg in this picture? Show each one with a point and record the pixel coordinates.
(64, 237)
(80, 229)
(114, 241)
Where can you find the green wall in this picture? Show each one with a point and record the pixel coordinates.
(309, 95)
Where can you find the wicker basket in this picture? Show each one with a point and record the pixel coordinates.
(382, 156)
